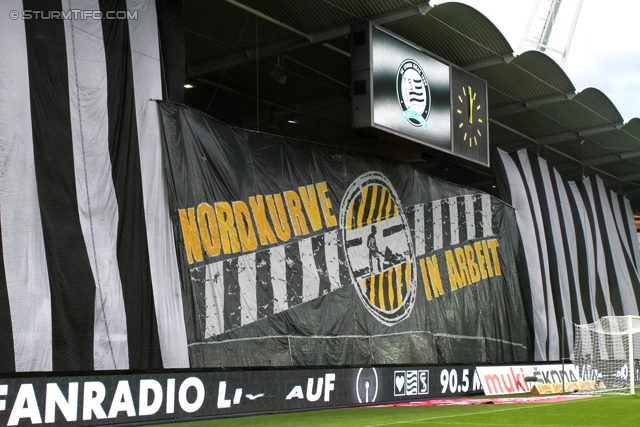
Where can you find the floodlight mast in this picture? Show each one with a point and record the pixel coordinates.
(541, 43)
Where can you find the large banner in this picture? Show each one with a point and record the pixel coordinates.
(579, 246)
(293, 253)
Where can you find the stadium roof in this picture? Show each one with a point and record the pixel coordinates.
(293, 56)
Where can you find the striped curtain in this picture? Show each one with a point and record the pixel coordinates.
(579, 248)
(88, 271)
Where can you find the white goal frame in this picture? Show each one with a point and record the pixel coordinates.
(601, 347)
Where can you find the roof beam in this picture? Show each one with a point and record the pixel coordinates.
(269, 19)
(612, 158)
(563, 137)
(632, 192)
(518, 107)
(488, 62)
(567, 166)
(300, 40)
(630, 177)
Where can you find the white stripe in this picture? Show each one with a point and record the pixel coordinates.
(419, 229)
(524, 218)
(620, 225)
(552, 325)
(569, 228)
(147, 79)
(278, 278)
(436, 207)
(590, 262)
(247, 283)
(310, 277)
(97, 205)
(487, 216)
(633, 233)
(214, 299)
(601, 265)
(617, 254)
(22, 241)
(331, 256)
(470, 217)
(558, 245)
(453, 220)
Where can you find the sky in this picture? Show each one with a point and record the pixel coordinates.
(604, 53)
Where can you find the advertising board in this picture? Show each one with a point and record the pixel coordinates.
(182, 396)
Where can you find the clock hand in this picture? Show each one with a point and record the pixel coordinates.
(471, 99)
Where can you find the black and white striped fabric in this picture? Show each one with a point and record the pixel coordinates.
(445, 223)
(88, 270)
(579, 244)
(241, 290)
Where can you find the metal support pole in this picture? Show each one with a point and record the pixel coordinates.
(572, 31)
(527, 27)
(632, 365)
(562, 353)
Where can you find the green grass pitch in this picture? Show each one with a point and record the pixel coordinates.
(604, 411)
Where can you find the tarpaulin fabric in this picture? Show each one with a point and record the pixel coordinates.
(579, 246)
(294, 253)
(90, 278)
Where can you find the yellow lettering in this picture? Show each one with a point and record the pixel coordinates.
(295, 213)
(190, 235)
(209, 229)
(325, 204)
(454, 276)
(245, 227)
(471, 263)
(310, 202)
(278, 217)
(228, 233)
(425, 279)
(265, 233)
(462, 265)
(493, 245)
(434, 273)
(485, 251)
(478, 247)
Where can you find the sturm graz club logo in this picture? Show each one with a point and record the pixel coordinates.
(379, 250)
(413, 93)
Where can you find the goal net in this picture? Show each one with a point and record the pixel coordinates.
(608, 351)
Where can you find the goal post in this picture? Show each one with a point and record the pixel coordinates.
(608, 351)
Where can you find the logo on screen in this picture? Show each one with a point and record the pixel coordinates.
(379, 250)
(367, 385)
(413, 93)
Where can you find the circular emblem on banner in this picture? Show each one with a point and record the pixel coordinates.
(378, 246)
(414, 96)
